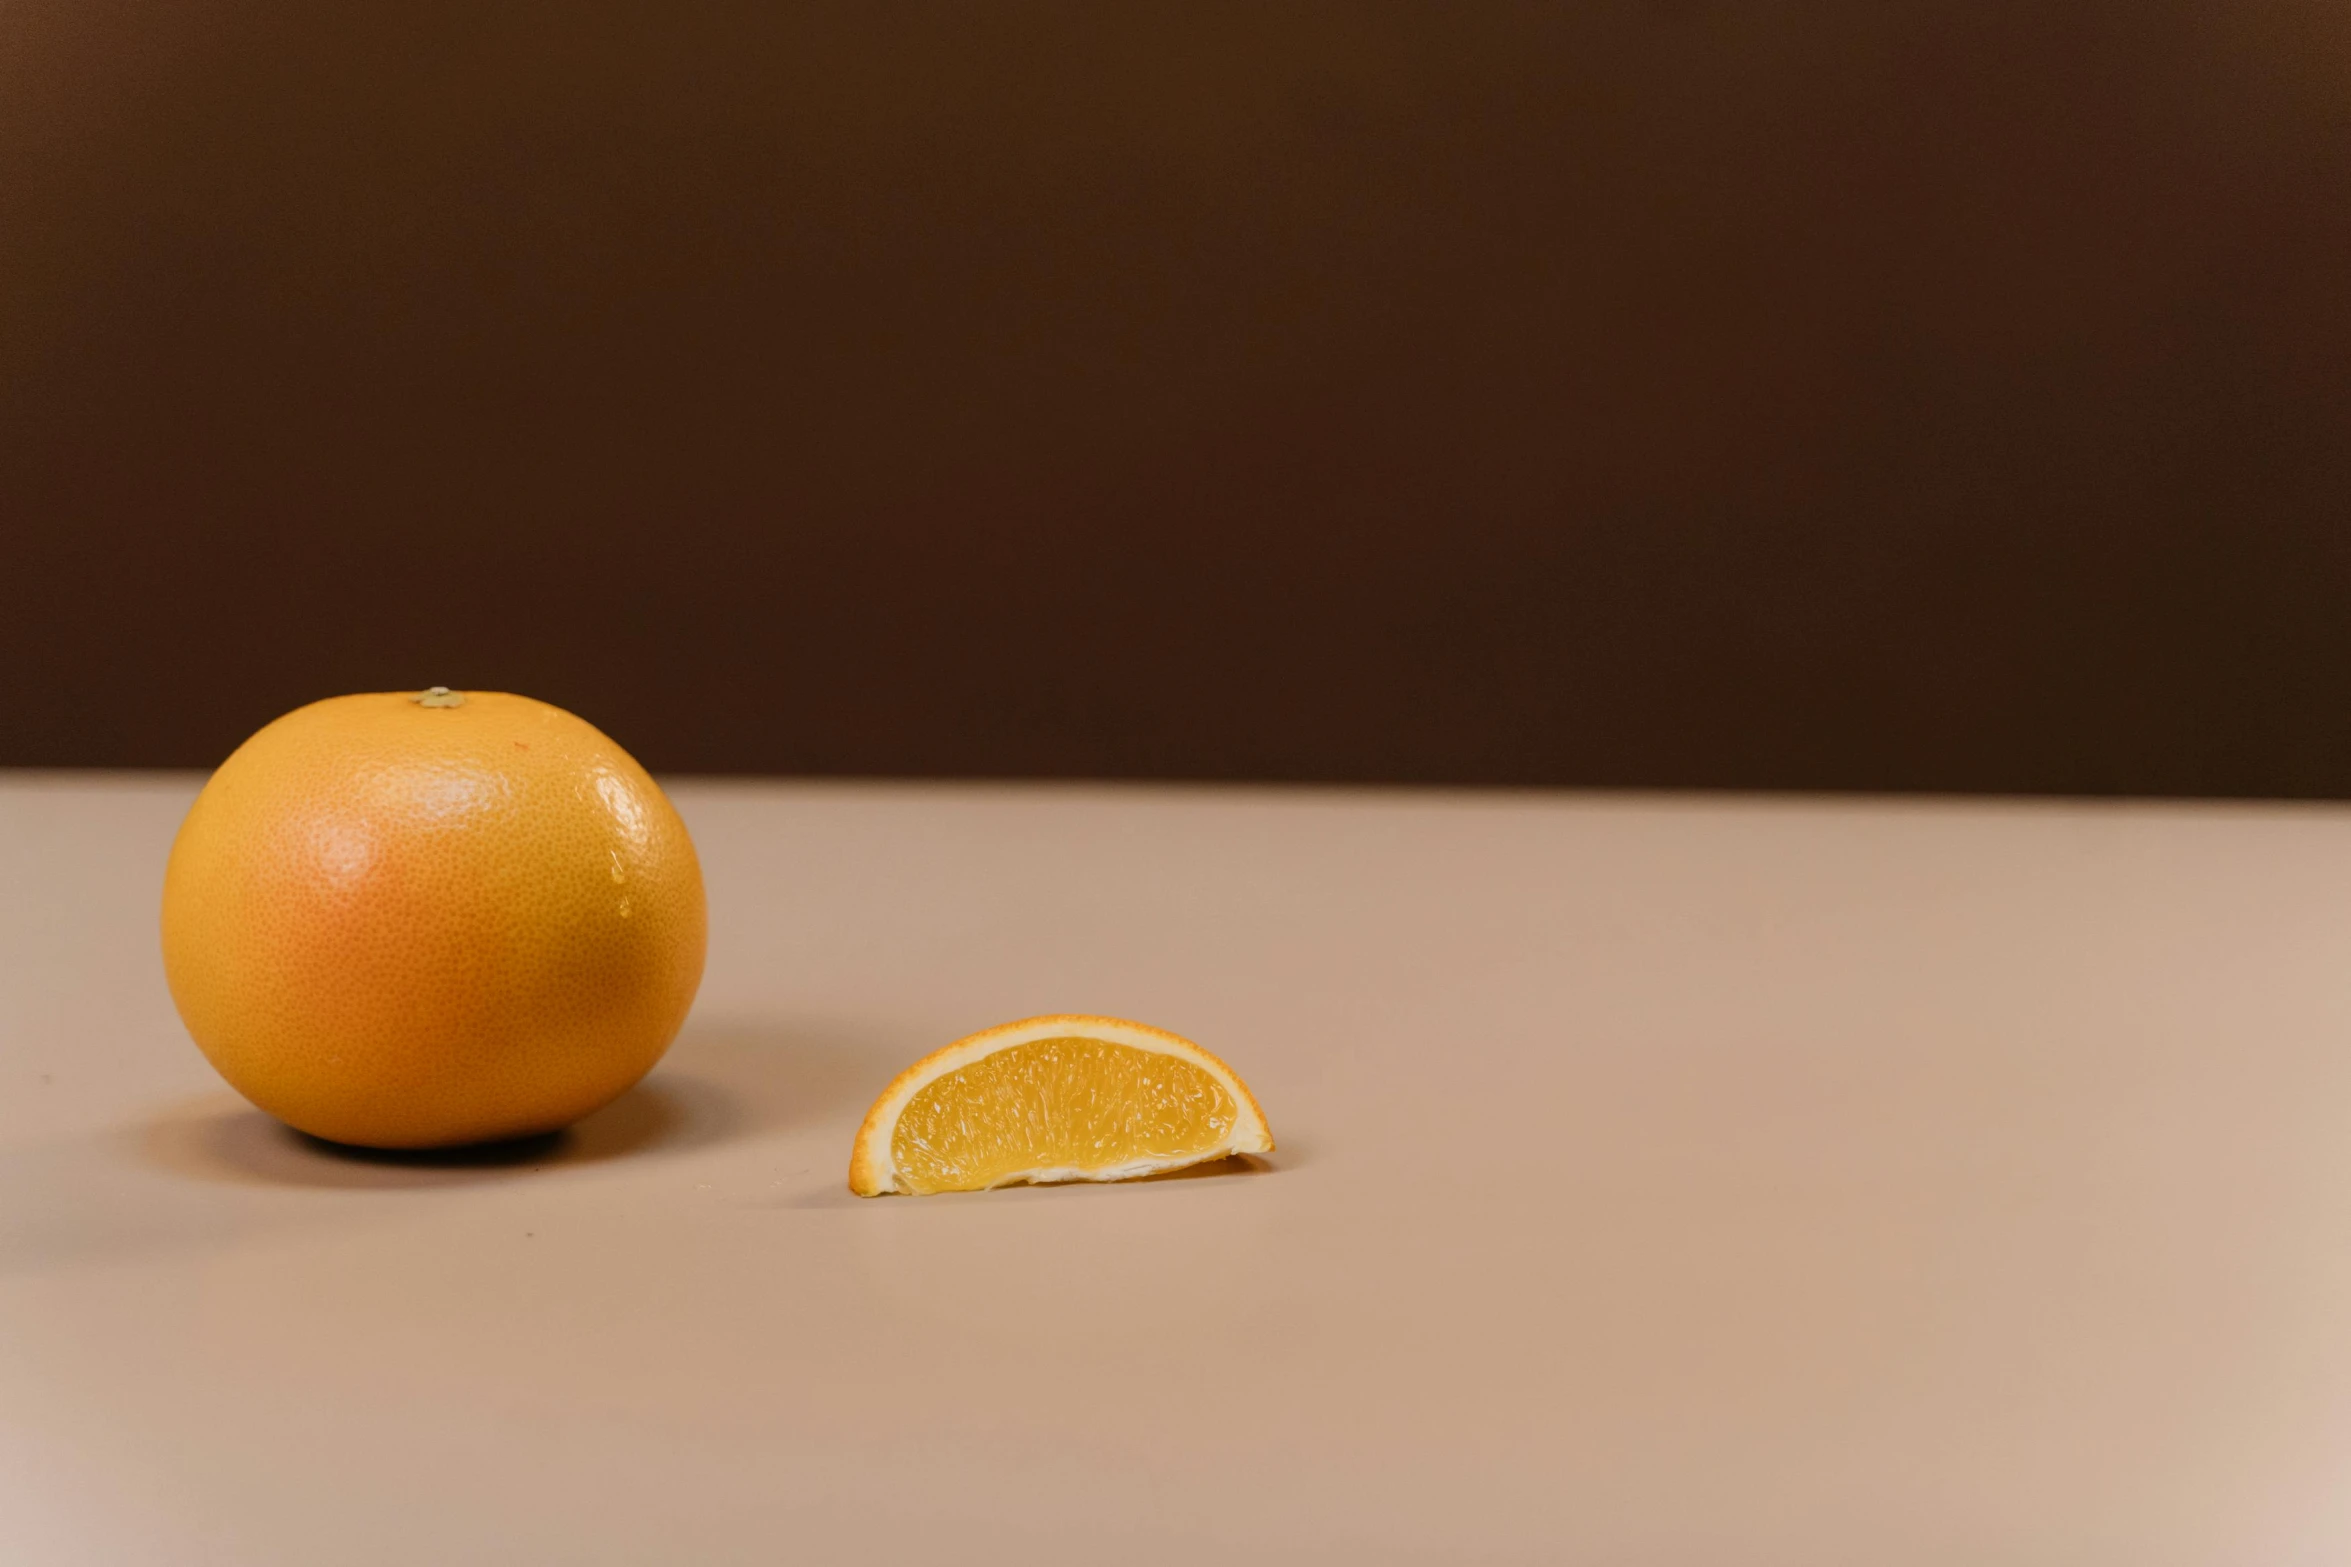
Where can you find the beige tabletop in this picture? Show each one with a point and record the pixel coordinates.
(1661, 1181)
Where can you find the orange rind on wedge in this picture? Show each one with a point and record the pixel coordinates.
(1049, 1099)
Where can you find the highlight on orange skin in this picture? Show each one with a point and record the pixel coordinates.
(410, 925)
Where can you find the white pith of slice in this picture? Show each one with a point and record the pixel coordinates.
(873, 1170)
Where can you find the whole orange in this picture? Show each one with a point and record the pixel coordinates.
(409, 920)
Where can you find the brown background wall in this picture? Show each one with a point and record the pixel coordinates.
(1878, 395)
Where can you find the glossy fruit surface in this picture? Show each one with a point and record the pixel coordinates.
(410, 920)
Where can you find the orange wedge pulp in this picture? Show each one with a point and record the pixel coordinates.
(1062, 1098)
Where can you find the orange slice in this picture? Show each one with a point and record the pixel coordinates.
(1063, 1098)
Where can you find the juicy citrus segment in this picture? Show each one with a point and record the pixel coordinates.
(1081, 1106)
(1054, 1099)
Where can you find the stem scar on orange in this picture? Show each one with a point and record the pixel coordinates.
(411, 920)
